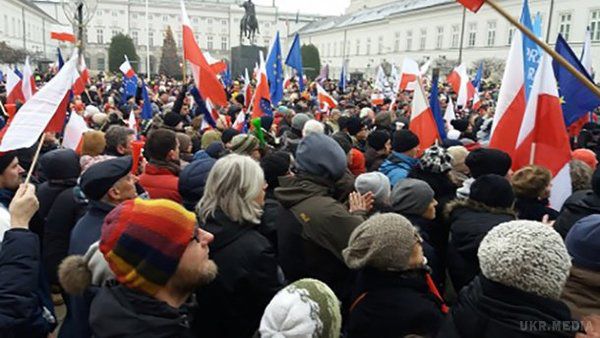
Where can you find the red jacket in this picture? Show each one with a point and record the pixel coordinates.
(160, 183)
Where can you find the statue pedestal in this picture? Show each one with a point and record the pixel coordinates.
(245, 57)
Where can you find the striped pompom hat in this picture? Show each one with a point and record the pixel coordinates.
(143, 241)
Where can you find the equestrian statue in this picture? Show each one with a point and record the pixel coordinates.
(249, 23)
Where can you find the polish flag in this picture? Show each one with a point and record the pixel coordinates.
(542, 136)
(217, 66)
(472, 5)
(132, 123)
(62, 33)
(126, 68)
(36, 114)
(247, 91)
(449, 114)
(422, 122)
(74, 131)
(14, 88)
(408, 77)
(477, 100)
(377, 99)
(326, 101)
(459, 80)
(82, 80)
(240, 120)
(209, 86)
(28, 84)
(261, 102)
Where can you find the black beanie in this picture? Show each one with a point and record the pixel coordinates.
(228, 135)
(172, 119)
(343, 140)
(6, 159)
(354, 125)
(492, 190)
(274, 165)
(488, 161)
(377, 139)
(460, 125)
(404, 140)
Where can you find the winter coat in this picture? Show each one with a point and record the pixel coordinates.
(25, 306)
(434, 257)
(373, 159)
(313, 229)
(268, 224)
(582, 292)
(160, 182)
(397, 166)
(534, 209)
(469, 222)
(577, 206)
(393, 304)
(492, 310)
(121, 312)
(249, 276)
(6, 197)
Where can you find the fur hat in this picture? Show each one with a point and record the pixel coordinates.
(76, 273)
(526, 255)
(492, 190)
(384, 242)
(376, 183)
(488, 161)
(411, 197)
(436, 160)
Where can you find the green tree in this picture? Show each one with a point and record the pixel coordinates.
(170, 62)
(11, 55)
(311, 61)
(121, 45)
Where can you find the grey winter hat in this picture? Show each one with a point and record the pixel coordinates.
(411, 196)
(299, 120)
(526, 255)
(384, 241)
(376, 183)
(320, 155)
(436, 160)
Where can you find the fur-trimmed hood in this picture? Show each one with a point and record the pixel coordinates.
(476, 206)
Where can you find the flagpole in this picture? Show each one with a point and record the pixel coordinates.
(3, 109)
(184, 71)
(589, 84)
(35, 158)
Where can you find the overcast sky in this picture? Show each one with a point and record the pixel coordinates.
(325, 7)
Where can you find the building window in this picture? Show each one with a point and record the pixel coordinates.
(134, 37)
(564, 25)
(99, 36)
(380, 45)
(209, 42)
(408, 40)
(511, 33)
(134, 15)
(423, 40)
(357, 47)
(224, 44)
(114, 13)
(491, 35)
(209, 21)
(439, 42)
(472, 34)
(335, 48)
(328, 50)
(101, 64)
(14, 27)
(115, 32)
(368, 46)
(396, 41)
(595, 25)
(151, 38)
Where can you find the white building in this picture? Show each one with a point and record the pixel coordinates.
(432, 28)
(23, 25)
(215, 23)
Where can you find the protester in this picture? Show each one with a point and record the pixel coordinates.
(481, 162)
(118, 141)
(274, 166)
(581, 176)
(579, 205)
(192, 181)
(379, 147)
(246, 144)
(161, 175)
(531, 185)
(249, 275)
(403, 158)
(10, 178)
(378, 185)
(151, 299)
(459, 172)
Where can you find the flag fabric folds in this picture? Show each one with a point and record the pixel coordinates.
(130, 79)
(261, 102)
(459, 80)
(275, 71)
(62, 33)
(74, 131)
(436, 110)
(147, 106)
(472, 5)
(343, 79)
(410, 72)
(422, 121)
(28, 84)
(294, 60)
(586, 53)
(326, 101)
(14, 88)
(82, 80)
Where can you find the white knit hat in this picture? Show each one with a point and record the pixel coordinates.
(526, 255)
(376, 183)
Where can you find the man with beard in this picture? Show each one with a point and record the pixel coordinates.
(158, 255)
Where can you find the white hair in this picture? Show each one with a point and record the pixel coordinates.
(313, 126)
(232, 186)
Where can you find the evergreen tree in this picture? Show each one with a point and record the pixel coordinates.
(311, 61)
(121, 45)
(169, 62)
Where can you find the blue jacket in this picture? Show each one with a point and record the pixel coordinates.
(25, 306)
(397, 166)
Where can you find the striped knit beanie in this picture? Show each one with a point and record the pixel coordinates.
(143, 240)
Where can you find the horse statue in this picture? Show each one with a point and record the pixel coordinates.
(249, 23)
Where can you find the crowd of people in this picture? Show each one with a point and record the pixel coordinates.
(303, 223)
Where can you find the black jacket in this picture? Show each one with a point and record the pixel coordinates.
(373, 159)
(434, 256)
(534, 209)
(492, 310)
(121, 312)
(393, 304)
(268, 224)
(232, 305)
(579, 205)
(469, 222)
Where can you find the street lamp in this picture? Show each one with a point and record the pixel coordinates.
(79, 13)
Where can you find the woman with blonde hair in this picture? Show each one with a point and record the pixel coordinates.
(532, 185)
(249, 275)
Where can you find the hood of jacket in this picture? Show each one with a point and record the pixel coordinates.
(121, 312)
(396, 160)
(60, 164)
(295, 189)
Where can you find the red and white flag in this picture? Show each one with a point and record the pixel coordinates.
(82, 80)
(459, 80)
(261, 102)
(326, 101)
(408, 77)
(205, 78)
(217, 66)
(74, 132)
(422, 122)
(449, 114)
(472, 5)
(132, 123)
(28, 84)
(240, 120)
(542, 138)
(14, 88)
(37, 113)
(126, 68)
(62, 33)
(247, 91)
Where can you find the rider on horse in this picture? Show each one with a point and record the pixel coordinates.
(249, 23)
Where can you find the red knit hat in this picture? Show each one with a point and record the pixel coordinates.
(587, 156)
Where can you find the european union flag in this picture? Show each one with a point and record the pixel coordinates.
(226, 77)
(1, 76)
(294, 60)
(477, 80)
(577, 99)
(129, 85)
(265, 106)
(275, 71)
(434, 104)
(147, 107)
